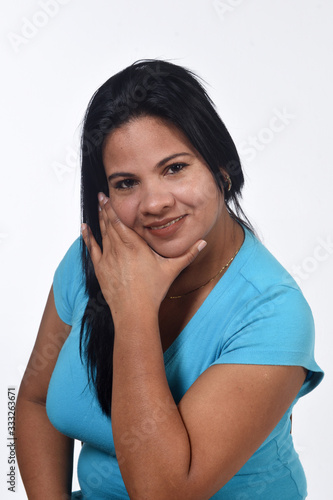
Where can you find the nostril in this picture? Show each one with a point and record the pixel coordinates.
(157, 201)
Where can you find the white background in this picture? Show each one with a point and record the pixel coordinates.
(260, 58)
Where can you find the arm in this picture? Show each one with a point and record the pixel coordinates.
(44, 455)
(187, 452)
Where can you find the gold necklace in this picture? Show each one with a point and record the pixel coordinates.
(209, 281)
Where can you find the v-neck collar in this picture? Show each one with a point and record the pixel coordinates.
(216, 293)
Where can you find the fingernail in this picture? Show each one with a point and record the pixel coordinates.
(83, 227)
(102, 198)
(202, 245)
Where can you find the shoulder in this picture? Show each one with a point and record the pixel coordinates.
(267, 289)
(269, 320)
(275, 293)
(71, 264)
(261, 269)
(268, 295)
(74, 251)
(68, 281)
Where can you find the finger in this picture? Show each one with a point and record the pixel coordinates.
(102, 223)
(107, 212)
(192, 253)
(112, 221)
(108, 232)
(91, 244)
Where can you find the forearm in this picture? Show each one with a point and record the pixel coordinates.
(151, 440)
(44, 455)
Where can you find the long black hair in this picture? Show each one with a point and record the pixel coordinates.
(146, 88)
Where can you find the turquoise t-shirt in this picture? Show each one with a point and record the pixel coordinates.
(256, 314)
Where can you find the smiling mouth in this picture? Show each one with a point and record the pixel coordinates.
(168, 224)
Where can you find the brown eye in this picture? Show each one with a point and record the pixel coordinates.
(176, 167)
(125, 184)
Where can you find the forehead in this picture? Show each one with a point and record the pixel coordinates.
(145, 138)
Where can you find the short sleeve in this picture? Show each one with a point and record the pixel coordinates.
(77, 495)
(67, 282)
(274, 328)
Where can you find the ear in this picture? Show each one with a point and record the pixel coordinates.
(226, 181)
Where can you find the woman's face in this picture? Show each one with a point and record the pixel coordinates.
(160, 187)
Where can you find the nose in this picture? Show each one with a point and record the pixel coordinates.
(156, 198)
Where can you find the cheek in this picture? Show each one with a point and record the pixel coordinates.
(205, 194)
(125, 210)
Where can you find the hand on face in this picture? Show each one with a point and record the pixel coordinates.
(128, 269)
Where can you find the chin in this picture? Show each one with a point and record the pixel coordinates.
(170, 253)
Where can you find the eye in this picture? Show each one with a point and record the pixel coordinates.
(125, 184)
(175, 168)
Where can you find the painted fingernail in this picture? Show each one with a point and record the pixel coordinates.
(202, 245)
(102, 198)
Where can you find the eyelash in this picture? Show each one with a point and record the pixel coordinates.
(178, 164)
(120, 185)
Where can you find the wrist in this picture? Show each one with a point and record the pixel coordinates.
(133, 306)
(134, 315)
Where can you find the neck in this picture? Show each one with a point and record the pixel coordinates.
(221, 247)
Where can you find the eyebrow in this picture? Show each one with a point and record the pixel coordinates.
(171, 157)
(120, 174)
(159, 165)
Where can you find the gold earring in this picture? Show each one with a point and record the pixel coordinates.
(228, 180)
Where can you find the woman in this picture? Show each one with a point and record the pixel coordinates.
(168, 315)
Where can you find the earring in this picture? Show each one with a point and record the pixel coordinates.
(228, 180)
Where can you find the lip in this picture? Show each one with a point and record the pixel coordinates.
(166, 227)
